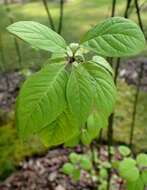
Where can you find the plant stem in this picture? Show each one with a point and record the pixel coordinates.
(111, 118)
(15, 40)
(61, 16)
(94, 165)
(50, 19)
(100, 141)
(120, 186)
(110, 143)
(110, 130)
(2, 54)
(140, 76)
(135, 105)
(116, 70)
(113, 8)
(127, 8)
(3, 60)
(138, 15)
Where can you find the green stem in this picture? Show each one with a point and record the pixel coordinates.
(138, 15)
(50, 19)
(127, 8)
(61, 16)
(91, 147)
(140, 76)
(111, 118)
(113, 8)
(110, 126)
(2, 54)
(135, 105)
(17, 47)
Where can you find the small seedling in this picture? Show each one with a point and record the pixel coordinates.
(134, 171)
(81, 162)
(124, 150)
(76, 164)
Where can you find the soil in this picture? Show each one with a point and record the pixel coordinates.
(44, 173)
(129, 70)
(9, 86)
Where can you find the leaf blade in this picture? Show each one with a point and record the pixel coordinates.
(59, 131)
(101, 61)
(104, 87)
(79, 95)
(41, 96)
(38, 36)
(115, 37)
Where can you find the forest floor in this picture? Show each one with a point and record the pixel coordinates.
(45, 173)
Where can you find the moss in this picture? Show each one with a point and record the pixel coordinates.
(123, 117)
(12, 149)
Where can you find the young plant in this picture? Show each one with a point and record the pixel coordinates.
(69, 91)
(76, 164)
(134, 171)
(80, 162)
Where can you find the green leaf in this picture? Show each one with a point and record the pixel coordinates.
(135, 185)
(41, 99)
(115, 37)
(103, 173)
(130, 174)
(142, 160)
(107, 165)
(115, 164)
(102, 62)
(85, 137)
(103, 185)
(130, 161)
(103, 86)
(58, 56)
(76, 175)
(112, 150)
(86, 163)
(38, 36)
(79, 95)
(95, 157)
(74, 158)
(144, 177)
(95, 122)
(128, 170)
(60, 60)
(124, 150)
(91, 126)
(58, 131)
(73, 142)
(67, 168)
